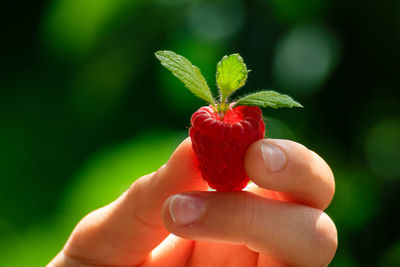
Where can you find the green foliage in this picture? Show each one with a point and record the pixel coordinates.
(185, 71)
(270, 99)
(231, 74)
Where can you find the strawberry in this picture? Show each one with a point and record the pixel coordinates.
(222, 132)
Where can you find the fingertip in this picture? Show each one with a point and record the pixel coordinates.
(166, 214)
(183, 152)
(181, 172)
(267, 159)
(182, 210)
(326, 238)
(297, 173)
(327, 172)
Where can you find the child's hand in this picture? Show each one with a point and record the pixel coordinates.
(280, 222)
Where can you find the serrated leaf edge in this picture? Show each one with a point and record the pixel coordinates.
(294, 105)
(206, 92)
(245, 71)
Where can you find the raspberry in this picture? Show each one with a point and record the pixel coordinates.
(220, 144)
(222, 132)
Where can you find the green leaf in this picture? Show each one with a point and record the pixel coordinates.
(231, 74)
(185, 71)
(270, 99)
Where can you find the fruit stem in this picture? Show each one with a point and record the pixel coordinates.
(222, 106)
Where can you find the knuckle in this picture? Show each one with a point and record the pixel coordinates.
(133, 194)
(136, 194)
(252, 211)
(247, 218)
(137, 189)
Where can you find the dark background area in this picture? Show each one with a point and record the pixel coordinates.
(85, 108)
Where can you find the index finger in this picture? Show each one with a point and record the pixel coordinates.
(126, 231)
(296, 173)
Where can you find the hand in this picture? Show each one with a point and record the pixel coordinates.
(277, 221)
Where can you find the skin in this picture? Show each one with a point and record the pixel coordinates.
(277, 221)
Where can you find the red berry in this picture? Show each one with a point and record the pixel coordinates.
(220, 144)
(220, 133)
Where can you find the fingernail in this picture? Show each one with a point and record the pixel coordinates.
(185, 209)
(274, 157)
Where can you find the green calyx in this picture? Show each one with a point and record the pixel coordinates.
(231, 75)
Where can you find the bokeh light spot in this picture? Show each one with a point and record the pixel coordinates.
(216, 20)
(304, 58)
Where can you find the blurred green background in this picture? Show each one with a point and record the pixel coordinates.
(85, 108)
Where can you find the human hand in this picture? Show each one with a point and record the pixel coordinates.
(277, 221)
